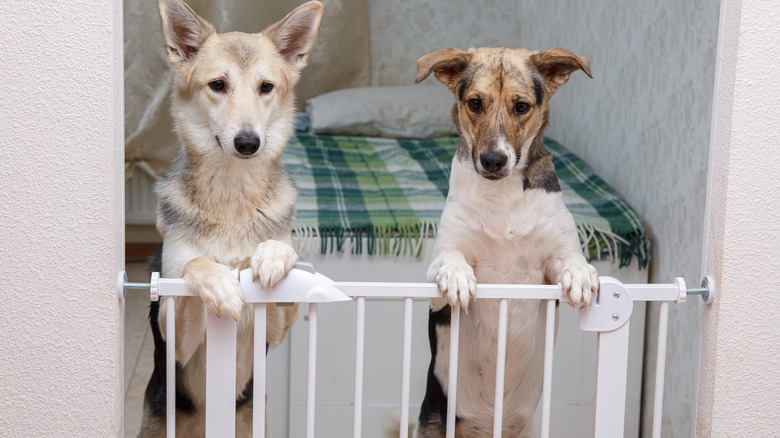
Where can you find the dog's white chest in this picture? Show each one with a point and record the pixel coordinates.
(509, 246)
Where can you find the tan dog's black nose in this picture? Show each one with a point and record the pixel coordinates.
(492, 161)
(246, 142)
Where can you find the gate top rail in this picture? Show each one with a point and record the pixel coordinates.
(304, 285)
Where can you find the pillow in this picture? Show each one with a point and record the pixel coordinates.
(301, 122)
(406, 112)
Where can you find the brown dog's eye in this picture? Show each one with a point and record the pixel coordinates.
(475, 105)
(266, 87)
(217, 86)
(522, 108)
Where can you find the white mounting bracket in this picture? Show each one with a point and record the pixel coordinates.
(682, 291)
(611, 310)
(154, 287)
(708, 289)
(121, 281)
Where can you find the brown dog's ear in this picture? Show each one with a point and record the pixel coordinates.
(294, 35)
(447, 64)
(183, 29)
(557, 64)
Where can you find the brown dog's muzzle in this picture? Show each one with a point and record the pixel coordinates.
(493, 161)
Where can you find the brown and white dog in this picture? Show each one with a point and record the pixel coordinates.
(226, 202)
(504, 222)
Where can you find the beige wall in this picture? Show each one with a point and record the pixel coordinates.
(740, 378)
(61, 217)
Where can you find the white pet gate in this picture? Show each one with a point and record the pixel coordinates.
(609, 316)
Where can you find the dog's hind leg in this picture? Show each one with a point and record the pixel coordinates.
(244, 420)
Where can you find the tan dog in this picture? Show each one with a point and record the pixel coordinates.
(504, 222)
(226, 203)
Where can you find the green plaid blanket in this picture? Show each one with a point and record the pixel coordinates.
(392, 191)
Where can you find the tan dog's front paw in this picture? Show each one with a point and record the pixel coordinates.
(217, 286)
(580, 283)
(272, 261)
(457, 282)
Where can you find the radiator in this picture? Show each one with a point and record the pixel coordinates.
(140, 200)
(609, 317)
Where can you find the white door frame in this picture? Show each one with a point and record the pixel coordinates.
(738, 372)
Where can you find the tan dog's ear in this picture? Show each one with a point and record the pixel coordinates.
(183, 29)
(557, 64)
(447, 64)
(294, 35)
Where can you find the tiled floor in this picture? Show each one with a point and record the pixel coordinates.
(138, 348)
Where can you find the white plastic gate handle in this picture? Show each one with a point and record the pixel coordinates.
(298, 287)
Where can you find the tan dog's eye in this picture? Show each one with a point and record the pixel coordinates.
(217, 86)
(475, 105)
(266, 87)
(522, 108)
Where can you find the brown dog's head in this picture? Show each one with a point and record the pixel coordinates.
(501, 99)
(234, 91)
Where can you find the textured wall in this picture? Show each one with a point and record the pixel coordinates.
(740, 382)
(61, 218)
(643, 123)
(403, 31)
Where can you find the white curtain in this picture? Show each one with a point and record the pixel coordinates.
(340, 59)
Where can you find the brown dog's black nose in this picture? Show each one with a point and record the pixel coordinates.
(492, 161)
(246, 142)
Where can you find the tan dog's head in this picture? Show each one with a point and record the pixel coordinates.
(234, 92)
(501, 99)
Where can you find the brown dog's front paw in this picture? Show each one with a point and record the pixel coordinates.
(272, 261)
(580, 283)
(217, 286)
(457, 283)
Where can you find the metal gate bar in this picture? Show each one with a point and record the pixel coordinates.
(498, 403)
(360, 330)
(549, 343)
(406, 368)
